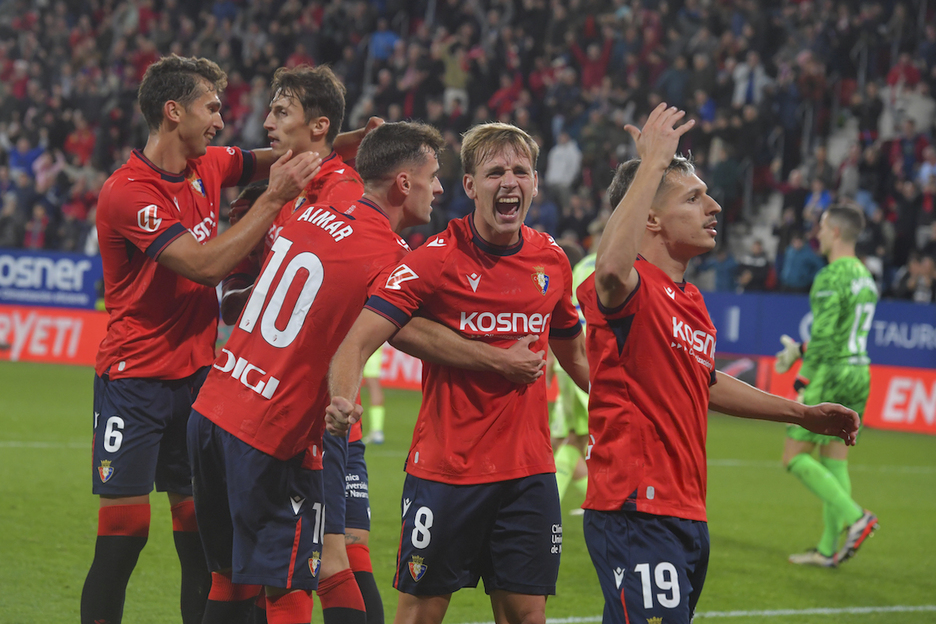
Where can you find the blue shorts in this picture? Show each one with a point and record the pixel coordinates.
(334, 462)
(139, 435)
(257, 515)
(649, 566)
(508, 533)
(357, 500)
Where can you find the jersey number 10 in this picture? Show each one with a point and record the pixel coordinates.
(307, 260)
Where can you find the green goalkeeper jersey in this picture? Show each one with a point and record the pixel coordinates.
(580, 273)
(842, 298)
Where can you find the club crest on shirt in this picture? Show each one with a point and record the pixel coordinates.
(655, 620)
(315, 562)
(540, 279)
(417, 568)
(197, 185)
(105, 470)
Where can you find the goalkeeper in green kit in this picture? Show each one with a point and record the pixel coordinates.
(835, 368)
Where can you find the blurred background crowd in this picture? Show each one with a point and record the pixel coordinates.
(800, 104)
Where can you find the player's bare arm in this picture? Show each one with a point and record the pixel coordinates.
(734, 397)
(436, 343)
(369, 331)
(208, 264)
(346, 144)
(615, 277)
(570, 353)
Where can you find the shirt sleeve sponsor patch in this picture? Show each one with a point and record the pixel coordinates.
(147, 218)
(401, 274)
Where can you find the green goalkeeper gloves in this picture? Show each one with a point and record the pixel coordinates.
(791, 352)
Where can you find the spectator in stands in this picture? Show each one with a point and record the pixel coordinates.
(907, 204)
(915, 282)
(750, 81)
(543, 215)
(562, 168)
(794, 195)
(800, 265)
(22, 155)
(817, 201)
(928, 166)
(819, 167)
(35, 236)
(754, 269)
(906, 150)
(848, 177)
(11, 226)
(867, 109)
(725, 267)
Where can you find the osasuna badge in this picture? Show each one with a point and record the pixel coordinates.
(105, 470)
(417, 568)
(197, 185)
(540, 279)
(315, 563)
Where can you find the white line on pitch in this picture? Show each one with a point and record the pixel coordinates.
(746, 463)
(44, 445)
(770, 613)
(372, 452)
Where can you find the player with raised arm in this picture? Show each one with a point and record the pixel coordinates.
(157, 227)
(835, 368)
(480, 498)
(651, 348)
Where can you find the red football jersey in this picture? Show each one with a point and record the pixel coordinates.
(476, 427)
(651, 364)
(162, 325)
(269, 386)
(335, 183)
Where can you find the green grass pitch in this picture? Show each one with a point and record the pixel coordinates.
(757, 516)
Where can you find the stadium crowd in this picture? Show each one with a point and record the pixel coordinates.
(773, 86)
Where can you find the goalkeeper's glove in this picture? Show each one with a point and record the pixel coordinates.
(791, 352)
(799, 386)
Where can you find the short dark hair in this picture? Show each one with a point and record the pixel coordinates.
(317, 89)
(252, 192)
(392, 146)
(179, 79)
(850, 221)
(624, 176)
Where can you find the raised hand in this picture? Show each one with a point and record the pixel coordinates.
(657, 142)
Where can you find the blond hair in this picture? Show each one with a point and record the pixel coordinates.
(486, 139)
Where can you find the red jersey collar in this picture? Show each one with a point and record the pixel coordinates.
(165, 175)
(486, 247)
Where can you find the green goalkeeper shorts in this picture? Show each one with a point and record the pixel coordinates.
(570, 411)
(846, 385)
(372, 366)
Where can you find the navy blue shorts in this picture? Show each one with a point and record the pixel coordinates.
(257, 515)
(507, 533)
(648, 566)
(334, 463)
(139, 435)
(357, 500)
